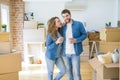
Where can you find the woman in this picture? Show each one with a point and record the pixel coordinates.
(53, 52)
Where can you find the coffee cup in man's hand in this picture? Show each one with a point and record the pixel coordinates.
(69, 40)
(72, 40)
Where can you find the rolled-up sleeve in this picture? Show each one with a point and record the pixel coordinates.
(50, 43)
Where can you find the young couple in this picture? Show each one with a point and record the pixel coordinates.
(64, 46)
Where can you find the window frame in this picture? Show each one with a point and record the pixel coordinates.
(7, 22)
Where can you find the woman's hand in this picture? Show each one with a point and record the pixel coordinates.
(59, 40)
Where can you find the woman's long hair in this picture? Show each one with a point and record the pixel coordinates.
(52, 28)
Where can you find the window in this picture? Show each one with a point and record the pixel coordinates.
(5, 16)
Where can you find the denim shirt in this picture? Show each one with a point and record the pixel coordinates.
(79, 33)
(53, 49)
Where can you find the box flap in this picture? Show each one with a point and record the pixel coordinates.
(112, 65)
(95, 63)
(114, 29)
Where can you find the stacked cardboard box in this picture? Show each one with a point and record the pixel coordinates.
(5, 44)
(30, 24)
(9, 76)
(4, 36)
(110, 34)
(104, 71)
(108, 46)
(110, 39)
(85, 53)
(118, 23)
(10, 64)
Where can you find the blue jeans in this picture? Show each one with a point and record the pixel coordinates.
(72, 63)
(50, 66)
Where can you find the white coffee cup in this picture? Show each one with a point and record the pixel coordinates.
(61, 38)
(69, 39)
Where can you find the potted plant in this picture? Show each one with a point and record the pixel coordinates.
(4, 26)
(40, 25)
(108, 24)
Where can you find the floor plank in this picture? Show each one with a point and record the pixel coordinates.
(38, 73)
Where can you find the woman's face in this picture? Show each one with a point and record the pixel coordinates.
(58, 23)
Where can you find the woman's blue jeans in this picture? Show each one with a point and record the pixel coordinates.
(50, 66)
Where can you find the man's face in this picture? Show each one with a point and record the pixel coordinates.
(66, 17)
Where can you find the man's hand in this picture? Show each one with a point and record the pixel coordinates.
(72, 40)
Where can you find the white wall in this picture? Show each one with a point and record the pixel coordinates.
(44, 10)
(99, 12)
(96, 15)
(119, 10)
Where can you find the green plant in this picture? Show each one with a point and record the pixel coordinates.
(108, 24)
(4, 25)
(40, 24)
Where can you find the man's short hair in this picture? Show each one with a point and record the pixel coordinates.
(65, 11)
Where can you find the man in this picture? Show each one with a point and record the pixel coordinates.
(74, 33)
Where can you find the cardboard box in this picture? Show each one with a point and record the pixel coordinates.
(4, 36)
(110, 34)
(118, 23)
(5, 47)
(9, 76)
(105, 71)
(108, 46)
(10, 63)
(30, 24)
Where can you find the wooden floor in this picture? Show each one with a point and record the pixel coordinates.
(40, 73)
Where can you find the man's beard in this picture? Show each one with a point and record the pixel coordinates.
(67, 21)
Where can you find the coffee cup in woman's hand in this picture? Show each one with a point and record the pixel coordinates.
(59, 40)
